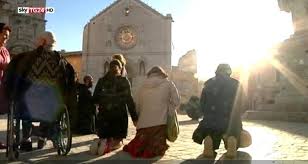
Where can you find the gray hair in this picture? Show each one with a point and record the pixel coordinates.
(46, 39)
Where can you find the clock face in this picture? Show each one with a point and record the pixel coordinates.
(126, 37)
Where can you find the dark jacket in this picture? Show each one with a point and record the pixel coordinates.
(20, 76)
(113, 94)
(85, 99)
(86, 110)
(222, 103)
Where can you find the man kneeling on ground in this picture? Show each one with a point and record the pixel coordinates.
(222, 103)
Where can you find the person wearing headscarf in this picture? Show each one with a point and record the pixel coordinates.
(113, 96)
(156, 97)
(121, 58)
(222, 103)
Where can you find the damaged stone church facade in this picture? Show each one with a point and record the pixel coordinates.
(278, 89)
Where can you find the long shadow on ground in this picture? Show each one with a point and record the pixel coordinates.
(85, 157)
(242, 158)
(290, 127)
(45, 154)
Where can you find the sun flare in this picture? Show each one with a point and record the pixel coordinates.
(240, 32)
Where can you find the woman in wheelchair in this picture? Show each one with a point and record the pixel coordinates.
(37, 84)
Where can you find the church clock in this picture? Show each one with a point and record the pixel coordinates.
(126, 37)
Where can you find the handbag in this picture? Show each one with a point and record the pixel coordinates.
(172, 126)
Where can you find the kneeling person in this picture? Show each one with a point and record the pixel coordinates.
(113, 95)
(222, 103)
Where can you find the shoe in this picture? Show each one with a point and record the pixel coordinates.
(208, 147)
(2, 145)
(103, 147)
(117, 146)
(94, 146)
(231, 147)
(26, 145)
(41, 143)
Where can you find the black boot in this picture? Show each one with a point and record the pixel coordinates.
(26, 145)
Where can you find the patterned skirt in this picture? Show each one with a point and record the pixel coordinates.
(148, 142)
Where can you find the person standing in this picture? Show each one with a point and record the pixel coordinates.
(5, 31)
(156, 96)
(86, 107)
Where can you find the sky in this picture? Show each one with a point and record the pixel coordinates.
(238, 32)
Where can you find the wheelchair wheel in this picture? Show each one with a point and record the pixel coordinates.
(65, 134)
(13, 135)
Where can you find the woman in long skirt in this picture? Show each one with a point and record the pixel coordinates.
(156, 96)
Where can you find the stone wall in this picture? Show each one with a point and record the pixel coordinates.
(188, 62)
(184, 76)
(25, 28)
(74, 58)
(186, 84)
(147, 44)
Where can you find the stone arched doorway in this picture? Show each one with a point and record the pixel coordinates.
(142, 68)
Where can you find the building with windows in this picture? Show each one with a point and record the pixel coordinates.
(132, 28)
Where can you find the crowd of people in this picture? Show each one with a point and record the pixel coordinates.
(42, 78)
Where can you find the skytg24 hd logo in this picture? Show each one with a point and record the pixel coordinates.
(35, 10)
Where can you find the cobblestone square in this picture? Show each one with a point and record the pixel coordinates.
(272, 142)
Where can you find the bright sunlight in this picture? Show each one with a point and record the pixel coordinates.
(238, 32)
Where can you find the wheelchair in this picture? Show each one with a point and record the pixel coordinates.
(62, 123)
